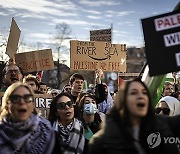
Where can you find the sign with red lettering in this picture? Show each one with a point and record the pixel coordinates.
(162, 42)
(89, 55)
(39, 60)
(13, 39)
(103, 35)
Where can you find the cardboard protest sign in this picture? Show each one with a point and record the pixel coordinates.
(162, 42)
(42, 103)
(39, 60)
(101, 35)
(88, 55)
(13, 39)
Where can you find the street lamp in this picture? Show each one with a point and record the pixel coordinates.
(58, 70)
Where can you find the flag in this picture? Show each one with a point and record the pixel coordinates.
(155, 84)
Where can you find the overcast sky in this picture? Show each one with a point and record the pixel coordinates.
(37, 18)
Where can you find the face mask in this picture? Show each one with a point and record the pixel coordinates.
(90, 108)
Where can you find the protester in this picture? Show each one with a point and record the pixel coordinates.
(32, 81)
(168, 89)
(69, 130)
(11, 74)
(168, 105)
(66, 88)
(101, 91)
(129, 124)
(43, 87)
(89, 116)
(105, 101)
(115, 94)
(21, 131)
(76, 82)
(107, 104)
(55, 92)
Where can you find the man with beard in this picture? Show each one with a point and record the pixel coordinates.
(11, 74)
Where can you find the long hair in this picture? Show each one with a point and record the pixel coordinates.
(53, 115)
(97, 119)
(4, 109)
(120, 104)
(82, 99)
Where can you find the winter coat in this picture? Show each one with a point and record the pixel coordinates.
(115, 138)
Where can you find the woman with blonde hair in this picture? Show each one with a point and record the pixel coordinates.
(22, 131)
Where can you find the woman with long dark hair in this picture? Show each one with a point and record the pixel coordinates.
(69, 130)
(131, 126)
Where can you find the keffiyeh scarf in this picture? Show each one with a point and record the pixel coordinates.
(71, 137)
(35, 136)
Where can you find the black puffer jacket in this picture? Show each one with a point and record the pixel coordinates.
(115, 138)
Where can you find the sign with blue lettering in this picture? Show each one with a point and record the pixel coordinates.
(162, 43)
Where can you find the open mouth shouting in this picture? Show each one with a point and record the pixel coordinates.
(22, 111)
(14, 79)
(141, 105)
(79, 88)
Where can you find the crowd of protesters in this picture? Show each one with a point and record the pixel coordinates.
(80, 121)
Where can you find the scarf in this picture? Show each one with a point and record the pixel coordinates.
(35, 136)
(71, 138)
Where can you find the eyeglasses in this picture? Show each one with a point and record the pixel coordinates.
(54, 94)
(165, 111)
(67, 89)
(28, 98)
(62, 105)
(11, 71)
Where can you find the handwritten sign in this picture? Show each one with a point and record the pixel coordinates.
(39, 60)
(101, 35)
(162, 41)
(42, 103)
(88, 55)
(13, 39)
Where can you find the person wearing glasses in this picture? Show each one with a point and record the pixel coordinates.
(22, 131)
(169, 106)
(69, 130)
(67, 88)
(11, 74)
